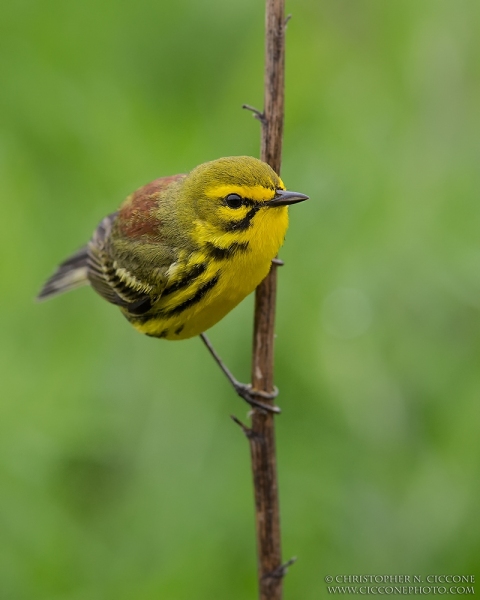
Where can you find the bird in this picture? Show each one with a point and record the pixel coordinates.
(182, 251)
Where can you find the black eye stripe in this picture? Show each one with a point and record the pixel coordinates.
(245, 201)
(244, 223)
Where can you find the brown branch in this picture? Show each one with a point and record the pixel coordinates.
(261, 435)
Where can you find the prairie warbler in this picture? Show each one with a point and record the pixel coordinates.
(182, 251)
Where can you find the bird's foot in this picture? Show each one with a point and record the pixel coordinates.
(245, 391)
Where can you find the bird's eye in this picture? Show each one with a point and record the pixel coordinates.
(234, 201)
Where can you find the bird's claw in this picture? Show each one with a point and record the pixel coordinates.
(245, 391)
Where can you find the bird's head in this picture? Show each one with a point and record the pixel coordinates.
(229, 192)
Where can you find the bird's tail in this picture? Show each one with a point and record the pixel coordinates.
(72, 273)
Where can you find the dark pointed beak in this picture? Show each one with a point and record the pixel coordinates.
(283, 198)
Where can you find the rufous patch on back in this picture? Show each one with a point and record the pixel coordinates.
(136, 217)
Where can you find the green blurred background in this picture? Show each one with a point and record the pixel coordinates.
(121, 474)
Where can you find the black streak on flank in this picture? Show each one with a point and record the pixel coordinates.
(162, 334)
(140, 306)
(221, 253)
(186, 280)
(244, 223)
(179, 330)
(200, 293)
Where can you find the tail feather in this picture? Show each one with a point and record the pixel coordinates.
(72, 273)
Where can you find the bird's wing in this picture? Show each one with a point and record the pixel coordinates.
(127, 258)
